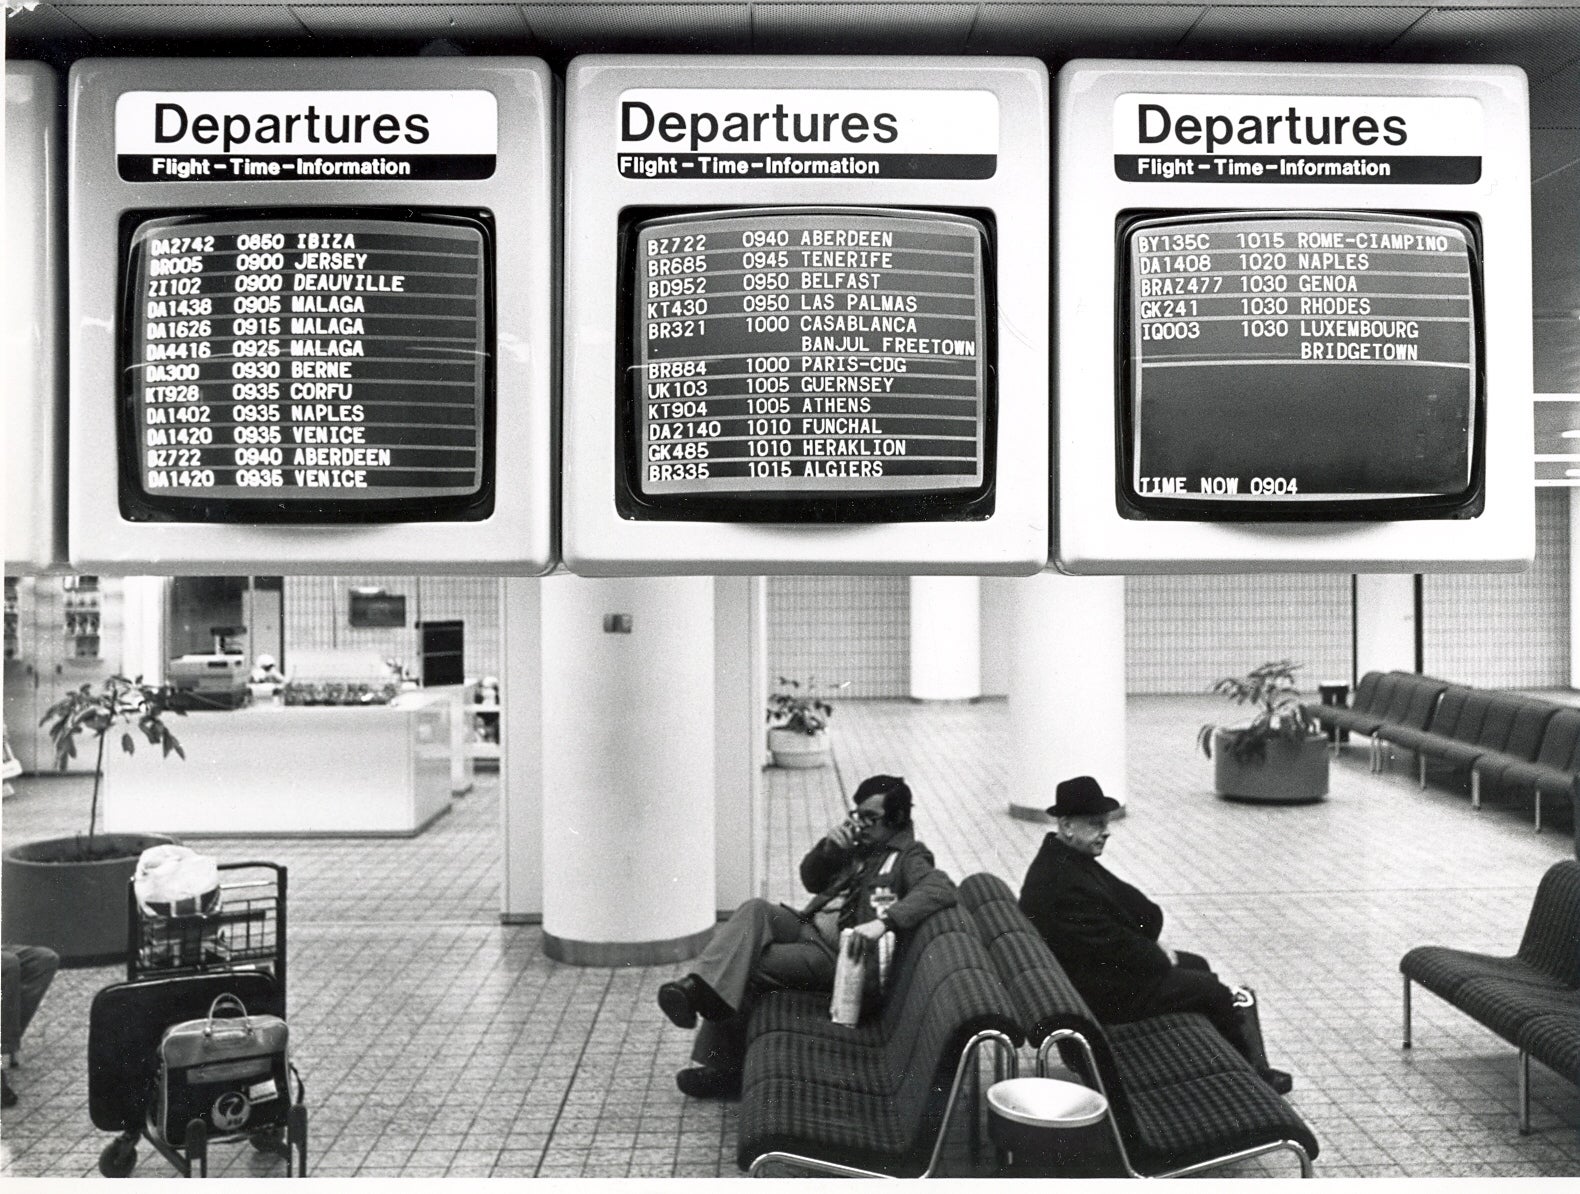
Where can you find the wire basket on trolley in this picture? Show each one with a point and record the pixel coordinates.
(242, 928)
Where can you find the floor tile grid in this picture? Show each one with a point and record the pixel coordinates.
(501, 1068)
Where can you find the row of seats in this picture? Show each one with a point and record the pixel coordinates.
(1532, 999)
(881, 1098)
(1519, 746)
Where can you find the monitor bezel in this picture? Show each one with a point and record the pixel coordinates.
(801, 506)
(1133, 506)
(138, 505)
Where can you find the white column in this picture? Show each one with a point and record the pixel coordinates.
(521, 750)
(628, 769)
(1066, 687)
(740, 692)
(946, 638)
(1384, 623)
(143, 620)
(1574, 594)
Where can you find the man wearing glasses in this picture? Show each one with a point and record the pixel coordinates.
(869, 873)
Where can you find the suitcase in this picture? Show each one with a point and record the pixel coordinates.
(230, 1070)
(126, 1022)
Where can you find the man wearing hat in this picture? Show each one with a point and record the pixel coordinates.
(766, 946)
(1105, 933)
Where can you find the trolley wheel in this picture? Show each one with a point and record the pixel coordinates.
(268, 1140)
(118, 1159)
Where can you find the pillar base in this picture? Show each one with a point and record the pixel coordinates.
(625, 953)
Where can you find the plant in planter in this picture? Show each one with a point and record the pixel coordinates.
(798, 722)
(70, 893)
(1281, 755)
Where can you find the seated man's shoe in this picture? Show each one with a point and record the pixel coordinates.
(1281, 1082)
(682, 999)
(674, 1000)
(7, 1095)
(706, 1082)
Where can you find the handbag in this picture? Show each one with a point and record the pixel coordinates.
(1245, 1010)
(230, 1071)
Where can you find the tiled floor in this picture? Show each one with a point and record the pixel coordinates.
(435, 1041)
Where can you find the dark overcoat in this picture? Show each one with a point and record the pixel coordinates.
(1102, 930)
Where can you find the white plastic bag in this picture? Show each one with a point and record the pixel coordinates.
(850, 974)
(176, 881)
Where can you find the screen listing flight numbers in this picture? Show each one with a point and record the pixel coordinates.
(308, 358)
(809, 350)
(1298, 339)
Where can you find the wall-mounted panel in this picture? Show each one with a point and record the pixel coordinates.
(312, 328)
(1294, 318)
(829, 333)
(33, 398)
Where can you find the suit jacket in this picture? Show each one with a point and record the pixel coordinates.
(1102, 930)
(829, 870)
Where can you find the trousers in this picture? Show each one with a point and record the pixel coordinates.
(25, 974)
(762, 947)
(1191, 986)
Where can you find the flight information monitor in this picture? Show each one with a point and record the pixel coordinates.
(1300, 365)
(800, 364)
(306, 366)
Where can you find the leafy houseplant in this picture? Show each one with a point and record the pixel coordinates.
(797, 720)
(69, 893)
(1280, 754)
(116, 702)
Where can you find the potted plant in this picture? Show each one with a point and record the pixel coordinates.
(798, 723)
(70, 893)
(1281, 755)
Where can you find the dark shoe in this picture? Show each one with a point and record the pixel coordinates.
(674, 1000)
(705, 1082)
(708, 1002)
(7, 1095)
(1281, 1082)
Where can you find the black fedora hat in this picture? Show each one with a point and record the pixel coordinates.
(1081, 797)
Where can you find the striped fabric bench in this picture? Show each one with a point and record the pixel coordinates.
(1531, 999)
(1181, 1100)
(878, 1099)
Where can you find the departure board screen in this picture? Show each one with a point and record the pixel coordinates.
(782, 355)
(1301, 364)
(307, 367)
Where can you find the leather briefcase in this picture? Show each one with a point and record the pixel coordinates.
(231, 1071)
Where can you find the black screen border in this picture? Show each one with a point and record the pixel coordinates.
(1136, 507)
(137, 505)
(803, 506)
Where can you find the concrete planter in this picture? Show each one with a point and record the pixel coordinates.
(78, 909)
(791, 748)
(1291, 773)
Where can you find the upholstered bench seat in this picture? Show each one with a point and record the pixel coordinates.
(878, 1097)
(1180, 1098)
(1554, 1040)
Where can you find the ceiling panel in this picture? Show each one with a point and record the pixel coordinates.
(1542, 40)
(1555, 101)
(1069, 30)
(170, 22)
(488, 22)
(637, 28)
(1287, 31)
(41, 23)
(861, 28)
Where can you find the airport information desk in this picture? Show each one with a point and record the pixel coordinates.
(284, 770)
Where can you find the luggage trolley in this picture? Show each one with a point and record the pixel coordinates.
(177, 966)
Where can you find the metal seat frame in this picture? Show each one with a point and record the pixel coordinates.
(1244, 1154)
